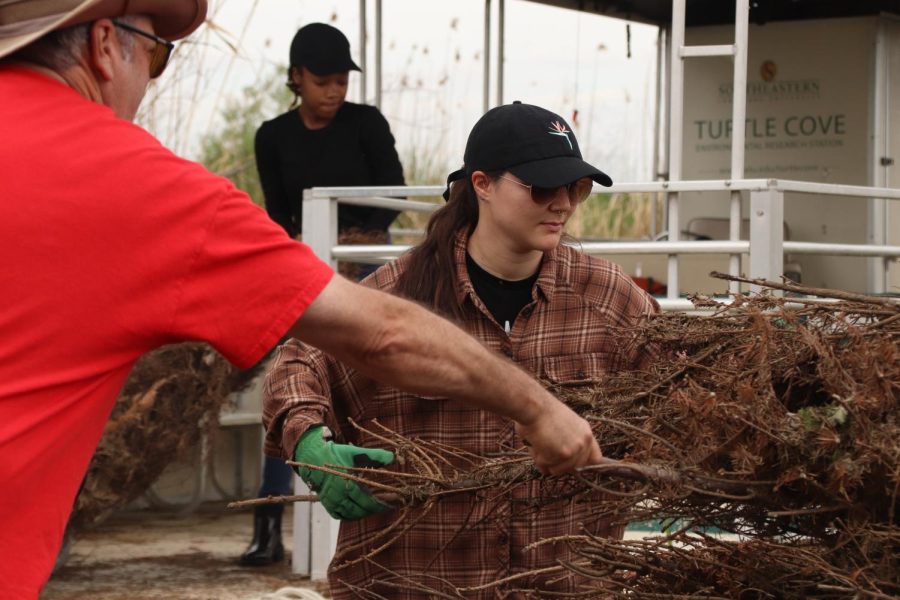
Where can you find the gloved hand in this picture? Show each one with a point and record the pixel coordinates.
(342, 498)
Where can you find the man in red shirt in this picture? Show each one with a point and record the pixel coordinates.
(112, 246)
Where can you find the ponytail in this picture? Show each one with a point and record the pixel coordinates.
(430, 274)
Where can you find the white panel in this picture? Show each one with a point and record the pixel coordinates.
(808, 118)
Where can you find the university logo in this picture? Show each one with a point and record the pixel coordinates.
(771, 87)
(557, 128)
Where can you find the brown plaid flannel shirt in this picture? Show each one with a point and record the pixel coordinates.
(566, 334)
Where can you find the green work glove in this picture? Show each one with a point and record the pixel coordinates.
(343, 499)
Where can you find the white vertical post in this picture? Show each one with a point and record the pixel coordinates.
(657, 107)
(664, 106)
(501, 37)
(879, 125)
(362, 51)
(676, 133)
(315, 533)
(878, 267)
(378, 59)
(315, 536)
(323, 541)
(738, 128)
(486, 101)
(320, 225)
(300, 559)
(676, 92)
(672, 290)
(667, 118)
(766, 235)
(657, 110)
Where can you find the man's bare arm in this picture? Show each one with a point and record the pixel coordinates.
(404, 345)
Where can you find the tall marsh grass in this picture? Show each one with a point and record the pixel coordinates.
(613, 217)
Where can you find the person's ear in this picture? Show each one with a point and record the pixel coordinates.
(482, 184)
(101, 41)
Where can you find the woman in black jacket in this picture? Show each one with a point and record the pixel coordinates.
(321, 141)
(325, 141)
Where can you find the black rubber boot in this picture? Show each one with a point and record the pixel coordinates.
(266, 547)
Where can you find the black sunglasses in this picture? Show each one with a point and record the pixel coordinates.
(578, 190)
(161, 52)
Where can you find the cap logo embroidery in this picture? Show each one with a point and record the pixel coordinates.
(557, 128)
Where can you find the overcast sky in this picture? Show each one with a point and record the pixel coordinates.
(432, 74)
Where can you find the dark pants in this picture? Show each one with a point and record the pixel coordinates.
(277, 478)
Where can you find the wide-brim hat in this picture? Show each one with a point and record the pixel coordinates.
(24, 21)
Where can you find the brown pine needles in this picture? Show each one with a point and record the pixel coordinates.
(766, 443)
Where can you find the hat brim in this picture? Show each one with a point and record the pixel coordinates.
(331, 67)
(557, 171)
(172, 19)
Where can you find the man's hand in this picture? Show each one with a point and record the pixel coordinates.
(559, 440)
(343, 499)
(401, 344)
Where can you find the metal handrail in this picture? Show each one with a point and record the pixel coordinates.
(842, 249)
(350, 194)
(373, 251)
(379, 253)
(766, 194)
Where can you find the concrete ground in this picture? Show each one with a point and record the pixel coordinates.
(149, 554)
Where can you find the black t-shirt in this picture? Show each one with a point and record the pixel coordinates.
(355, 149)
(504, 299)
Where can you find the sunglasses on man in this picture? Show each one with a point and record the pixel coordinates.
(161, 52)
(578, 190)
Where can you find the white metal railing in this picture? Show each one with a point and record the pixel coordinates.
(766, 247)
(315, 533)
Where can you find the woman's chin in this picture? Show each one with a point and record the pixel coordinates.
(548, 241)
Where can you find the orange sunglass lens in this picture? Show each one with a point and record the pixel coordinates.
(158, 60)
(581, 189)
(542, 195)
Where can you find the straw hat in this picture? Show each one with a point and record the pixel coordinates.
(23, 21)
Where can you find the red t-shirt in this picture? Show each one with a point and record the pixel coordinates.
(111, 246)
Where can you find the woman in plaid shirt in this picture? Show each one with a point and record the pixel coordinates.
(493, 262)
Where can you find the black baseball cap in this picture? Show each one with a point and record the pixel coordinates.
(322, 49)
(532, 143)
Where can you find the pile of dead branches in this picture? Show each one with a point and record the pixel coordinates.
(773, 419)
(171, 396)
